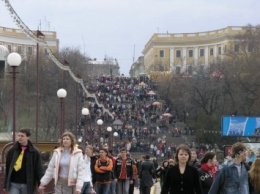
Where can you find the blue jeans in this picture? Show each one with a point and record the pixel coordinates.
(103, 188)
(86, 188)
(113, 187)
(17, 188)
(123, 186)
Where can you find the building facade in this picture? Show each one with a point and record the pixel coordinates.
(106, 67)
(137, 67)
(185, 52)
(17, 41)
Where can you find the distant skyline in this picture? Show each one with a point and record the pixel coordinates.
(121, 28)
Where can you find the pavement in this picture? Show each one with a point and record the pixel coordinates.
(156, 189)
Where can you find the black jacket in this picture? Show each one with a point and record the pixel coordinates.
(147, 174)
(118, 168)
(206, 180)
(34, 168)
(93, 160)
(186, 183)
(195, 164)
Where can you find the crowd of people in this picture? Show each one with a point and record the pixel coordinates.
(89, 171)
(189, 168)
(136, 105)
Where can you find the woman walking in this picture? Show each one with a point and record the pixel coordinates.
(66, 167)
(182, 178)
(207, 171)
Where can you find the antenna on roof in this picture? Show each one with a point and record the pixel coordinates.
(134, 55)
(83, 44)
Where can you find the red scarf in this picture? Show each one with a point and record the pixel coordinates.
(210, 169)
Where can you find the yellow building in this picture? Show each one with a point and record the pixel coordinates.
(185, 52)
(17, 41)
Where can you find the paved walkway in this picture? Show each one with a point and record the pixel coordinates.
(156, 189)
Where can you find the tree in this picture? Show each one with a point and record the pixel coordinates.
(227, 87)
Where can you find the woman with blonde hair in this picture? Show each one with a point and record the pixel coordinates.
(254, 177)
(66, 167)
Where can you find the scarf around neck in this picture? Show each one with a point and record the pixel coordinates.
(210, 169)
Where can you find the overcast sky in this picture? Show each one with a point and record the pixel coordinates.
(112, 27)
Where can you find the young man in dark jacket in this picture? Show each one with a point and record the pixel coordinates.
(103, 170)
(23, 166)
(123, 172)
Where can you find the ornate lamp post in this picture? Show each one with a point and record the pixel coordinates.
(117, 125)
(14, 60)
(38, 34)
(99, 122)
(115, 135)
(62, 93)
(109, 129)
(85, 112)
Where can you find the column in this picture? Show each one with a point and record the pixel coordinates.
(206, 56)
(196, 56)
(184, 56)
(172, 59)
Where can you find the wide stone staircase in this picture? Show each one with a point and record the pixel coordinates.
(184, 138)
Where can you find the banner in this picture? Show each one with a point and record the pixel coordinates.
(240, 126)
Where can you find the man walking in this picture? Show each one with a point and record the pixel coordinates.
(233, 177)
(123, 172)
(146, 175)
(23, 166)
(103, 169)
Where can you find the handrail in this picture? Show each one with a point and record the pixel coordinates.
(3, 151)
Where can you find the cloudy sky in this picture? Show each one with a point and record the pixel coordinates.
(121, 28)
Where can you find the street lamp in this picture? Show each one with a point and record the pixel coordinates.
(85, 112)
(115, 135)
(118, 123)
(14, 60)
(109, 129)
(38, 34)
(99, 122)
(62, 93)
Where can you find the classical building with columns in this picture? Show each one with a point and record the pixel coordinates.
(17, 41)
(185, 52)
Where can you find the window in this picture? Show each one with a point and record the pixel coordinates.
(201, 69)
(250, 48)
(201, 52)
(178, 70)
(211, 52)
(189, 69)
(19, 49)
(178, 53)
(9, 47)
(236, 48)
(161, 53)
(190, 53)
(225, 48)
(46, 52)
(29, 50)
(219, 50)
